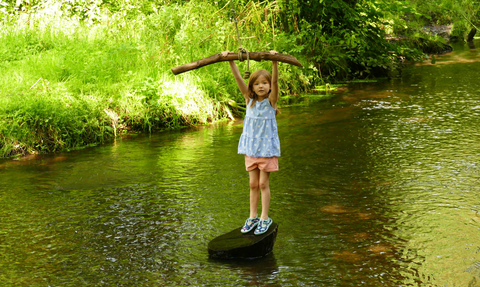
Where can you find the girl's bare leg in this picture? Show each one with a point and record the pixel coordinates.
(265, 188)
(254, 191)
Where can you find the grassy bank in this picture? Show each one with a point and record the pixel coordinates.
(73, 75)
(68, 83)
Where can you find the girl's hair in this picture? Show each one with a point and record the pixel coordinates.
(253, 77)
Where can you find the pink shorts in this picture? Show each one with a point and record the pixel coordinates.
(267, 164)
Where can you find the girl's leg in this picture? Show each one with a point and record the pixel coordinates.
(254, 191)
(265, 188)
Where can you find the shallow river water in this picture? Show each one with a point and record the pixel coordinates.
(378, 186)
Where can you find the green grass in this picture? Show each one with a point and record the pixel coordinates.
(66, 83)
(71, 79)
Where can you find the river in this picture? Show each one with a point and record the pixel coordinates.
(378, 186)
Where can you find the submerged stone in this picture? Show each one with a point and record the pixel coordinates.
(236, 245)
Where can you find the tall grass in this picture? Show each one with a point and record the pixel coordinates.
(67, 83)
(76, 73)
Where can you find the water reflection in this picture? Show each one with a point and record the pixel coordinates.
(377, 186)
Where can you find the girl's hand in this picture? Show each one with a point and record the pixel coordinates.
(273, 52)
(225, 53)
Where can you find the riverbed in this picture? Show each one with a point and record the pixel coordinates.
(378, 186)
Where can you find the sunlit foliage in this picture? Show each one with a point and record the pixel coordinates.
(80, 72)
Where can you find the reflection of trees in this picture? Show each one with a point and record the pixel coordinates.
(146, 233)
(377, 178)
(131, 233)
(422, 146)
(118, 236)
(255, 271)
(128, 233)
(328, 171)
(29, 239)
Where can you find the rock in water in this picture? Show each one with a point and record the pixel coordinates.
(236, 245)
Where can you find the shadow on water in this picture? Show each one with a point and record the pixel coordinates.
(378, 186)
(253, 271)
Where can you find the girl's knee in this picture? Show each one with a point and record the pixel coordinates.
(264, 186)
(254, 185)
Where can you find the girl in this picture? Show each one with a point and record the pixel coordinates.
(259, 141)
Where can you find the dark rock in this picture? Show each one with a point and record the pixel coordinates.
(433, 47)
(454, 39)
(236, 245)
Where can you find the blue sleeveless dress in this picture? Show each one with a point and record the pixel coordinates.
(260, 132)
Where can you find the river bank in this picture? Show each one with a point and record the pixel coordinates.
(68, 82)
(67, 85)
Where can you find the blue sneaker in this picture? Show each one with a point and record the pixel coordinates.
(250, 224)
(263, 226)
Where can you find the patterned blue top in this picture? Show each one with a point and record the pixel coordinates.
(260, 133)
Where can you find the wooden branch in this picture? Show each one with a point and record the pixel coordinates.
(256, 56)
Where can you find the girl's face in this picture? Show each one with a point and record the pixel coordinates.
(261, 87)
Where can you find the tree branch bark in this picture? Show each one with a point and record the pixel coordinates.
(256, 56)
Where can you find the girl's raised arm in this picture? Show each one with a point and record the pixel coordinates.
(238, 77)
(274, 95)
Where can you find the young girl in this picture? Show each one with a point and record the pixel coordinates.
(259, 141)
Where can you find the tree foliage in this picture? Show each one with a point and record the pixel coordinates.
(340, 38)
(344, 38)
(76, 72)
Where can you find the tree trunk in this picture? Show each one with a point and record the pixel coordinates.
(256, 56)
(471, 34)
